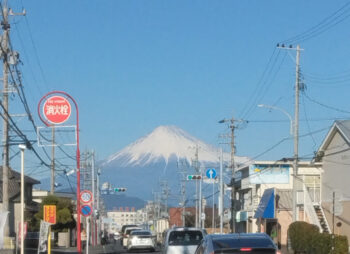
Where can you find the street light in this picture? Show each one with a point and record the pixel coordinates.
(22, 147)
(283, 111)
(293, 129)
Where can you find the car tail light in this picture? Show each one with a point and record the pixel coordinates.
(246, 249)
(278, 252)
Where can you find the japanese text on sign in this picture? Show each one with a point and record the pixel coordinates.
(50, 213)
(57, 109)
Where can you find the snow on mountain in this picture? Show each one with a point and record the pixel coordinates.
(163, 143)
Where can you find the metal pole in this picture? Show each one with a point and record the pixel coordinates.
(221, 208)
(22, 148)
(87, 234)
(5, 153)
(52, 190)
(296, 134)
(213, 214)
(200, 200)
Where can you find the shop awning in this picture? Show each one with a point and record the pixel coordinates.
(266, 208)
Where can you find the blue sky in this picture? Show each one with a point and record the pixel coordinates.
(134, 65)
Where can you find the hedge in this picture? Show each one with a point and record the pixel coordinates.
(305, 238)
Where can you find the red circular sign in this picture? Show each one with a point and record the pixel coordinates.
(57, 109)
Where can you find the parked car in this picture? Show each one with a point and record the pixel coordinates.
(237, 243)
(127, 234)
(182, 240)
(141, 239)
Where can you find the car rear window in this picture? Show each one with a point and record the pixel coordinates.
(128, 231)
(141, 233)
(244, 245)
(245, 251)
(192, 237)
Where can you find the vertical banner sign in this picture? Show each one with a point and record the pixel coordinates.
(44, 233)
(3, 218)
(24, 231)
(50, 213)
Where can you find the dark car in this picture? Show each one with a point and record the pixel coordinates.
(258, 243)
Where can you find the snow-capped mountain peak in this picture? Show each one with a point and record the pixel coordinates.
(161, 144)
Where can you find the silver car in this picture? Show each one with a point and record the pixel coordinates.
(182, 240)
(141, 239)
(127, 234)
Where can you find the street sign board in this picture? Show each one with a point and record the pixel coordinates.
(86, 210)
(85, 196)
(57, 109)
(211, 173)
(50, 213)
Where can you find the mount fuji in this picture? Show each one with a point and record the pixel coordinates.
(159, 156)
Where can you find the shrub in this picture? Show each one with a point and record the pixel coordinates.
(305, 238)
(301, 234)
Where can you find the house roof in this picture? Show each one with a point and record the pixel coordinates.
(343, 127)
(14, 183)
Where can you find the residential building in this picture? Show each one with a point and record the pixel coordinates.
(31, 207)
(125, 216)
(334, 153)
(264, 197)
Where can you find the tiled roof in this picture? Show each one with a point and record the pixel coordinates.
(15, 183)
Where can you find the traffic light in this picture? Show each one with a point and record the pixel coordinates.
(194, 177)
(119, 189)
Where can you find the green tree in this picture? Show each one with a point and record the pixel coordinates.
(64, 214)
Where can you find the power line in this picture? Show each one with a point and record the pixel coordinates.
(324, 105)
(327, 23)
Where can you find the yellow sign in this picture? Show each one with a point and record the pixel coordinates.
(50, 213)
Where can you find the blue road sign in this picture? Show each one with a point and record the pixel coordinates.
(211, 173)
(86, 210)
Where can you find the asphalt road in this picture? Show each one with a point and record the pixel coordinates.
(120, 249)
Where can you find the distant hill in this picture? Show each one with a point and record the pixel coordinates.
(115, 201)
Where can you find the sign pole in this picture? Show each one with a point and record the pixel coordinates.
(49, 242)
(57, 118)
(87, 234)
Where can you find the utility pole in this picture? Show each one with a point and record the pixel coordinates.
(221, 198)
(98, 206)
(295, 125)
(195, 164)
(93, 216)
(183, 191)
(5, 153)
(296, 133)
(232, 126)
(52, 190)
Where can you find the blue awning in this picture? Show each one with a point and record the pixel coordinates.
(266, 208)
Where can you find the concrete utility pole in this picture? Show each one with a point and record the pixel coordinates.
(232, 126)
(198, 202)
(183, 172)
(296, 134)
(233, 190)
(98, 206)
(5, 153)
(93, 216)
(295, 125)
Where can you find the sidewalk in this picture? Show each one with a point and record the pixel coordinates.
(99, 249)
